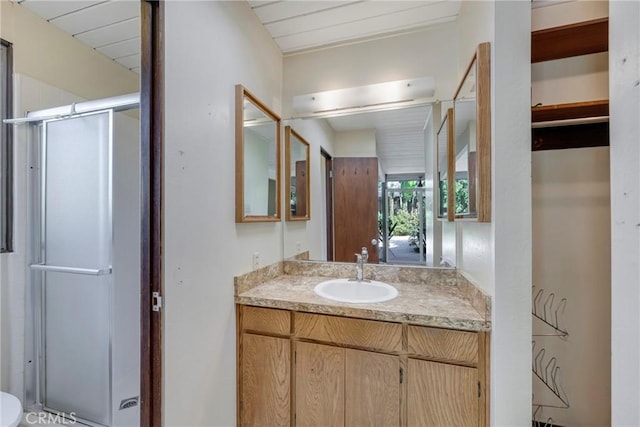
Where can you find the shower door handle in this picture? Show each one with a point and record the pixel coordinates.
(72, 270)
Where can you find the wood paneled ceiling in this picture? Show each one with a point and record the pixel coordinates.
(111, 27)
(302, 25)
(399, 136)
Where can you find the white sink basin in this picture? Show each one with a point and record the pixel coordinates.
(347, 290)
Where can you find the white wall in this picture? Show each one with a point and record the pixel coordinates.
(571, 213)
(624, 86)
(310, 235)
(433, 228)
(497, 256)
(511, 210)
(449, 243)
(357, 143)
(417, 54)
(46, 53)
(42, 79)
(204, 248)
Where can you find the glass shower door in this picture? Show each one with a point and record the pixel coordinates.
(75, 266)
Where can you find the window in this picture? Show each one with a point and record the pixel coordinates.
(6, 150)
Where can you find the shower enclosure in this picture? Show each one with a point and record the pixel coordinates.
(83, 297)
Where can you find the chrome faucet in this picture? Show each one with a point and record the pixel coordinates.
(361, 260)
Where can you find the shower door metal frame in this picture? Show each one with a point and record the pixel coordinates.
(40, 289)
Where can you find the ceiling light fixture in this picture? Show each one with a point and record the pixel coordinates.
(379, 94)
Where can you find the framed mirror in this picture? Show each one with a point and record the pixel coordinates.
(296, 154)
(403, 203)
(445, 168)
(472, 136)
(257, 160)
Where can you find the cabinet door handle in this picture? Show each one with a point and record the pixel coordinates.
(401, 375)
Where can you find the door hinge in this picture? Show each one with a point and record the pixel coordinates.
(156, 301)
(401, 375)
(331, 173)
(479, 389)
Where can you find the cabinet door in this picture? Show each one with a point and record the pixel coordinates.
(372, 389)
(319, 385)
(266, 381)
(439, 394)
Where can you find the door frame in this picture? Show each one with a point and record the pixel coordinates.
(152, 143)
(421, 217)
(328, 179)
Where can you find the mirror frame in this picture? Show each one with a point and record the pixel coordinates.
(288, 133)
(482, 61)
(241, 94)
(449, 123)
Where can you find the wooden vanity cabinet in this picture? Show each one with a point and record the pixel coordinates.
(309, 369)
(338, 386)
(441, 394)
(266, 380)
(446, 377)
(264, 371)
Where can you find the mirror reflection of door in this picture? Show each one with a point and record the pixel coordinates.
(355, 207)
(300, 207)
(326, 165)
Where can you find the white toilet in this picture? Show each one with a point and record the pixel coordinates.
(10, 410)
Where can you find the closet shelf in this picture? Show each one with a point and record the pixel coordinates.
(569, 111)
(562, 127)
(582, 38)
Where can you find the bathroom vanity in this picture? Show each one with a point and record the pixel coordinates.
(420, 359)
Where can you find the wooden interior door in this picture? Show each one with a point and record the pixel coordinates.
(440, 394)
(265, 381)
(355, 207)
(319, 391)
(372, 389)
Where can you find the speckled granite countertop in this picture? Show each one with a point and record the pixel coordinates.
(430, 297)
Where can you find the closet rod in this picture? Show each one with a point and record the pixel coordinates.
(570, 122)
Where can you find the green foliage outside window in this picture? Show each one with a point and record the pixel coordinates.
(462, 195)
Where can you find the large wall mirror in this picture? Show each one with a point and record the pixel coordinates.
(444, 166)
(472, 135)
(257, 160)
(381, 164)
(296, 176)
